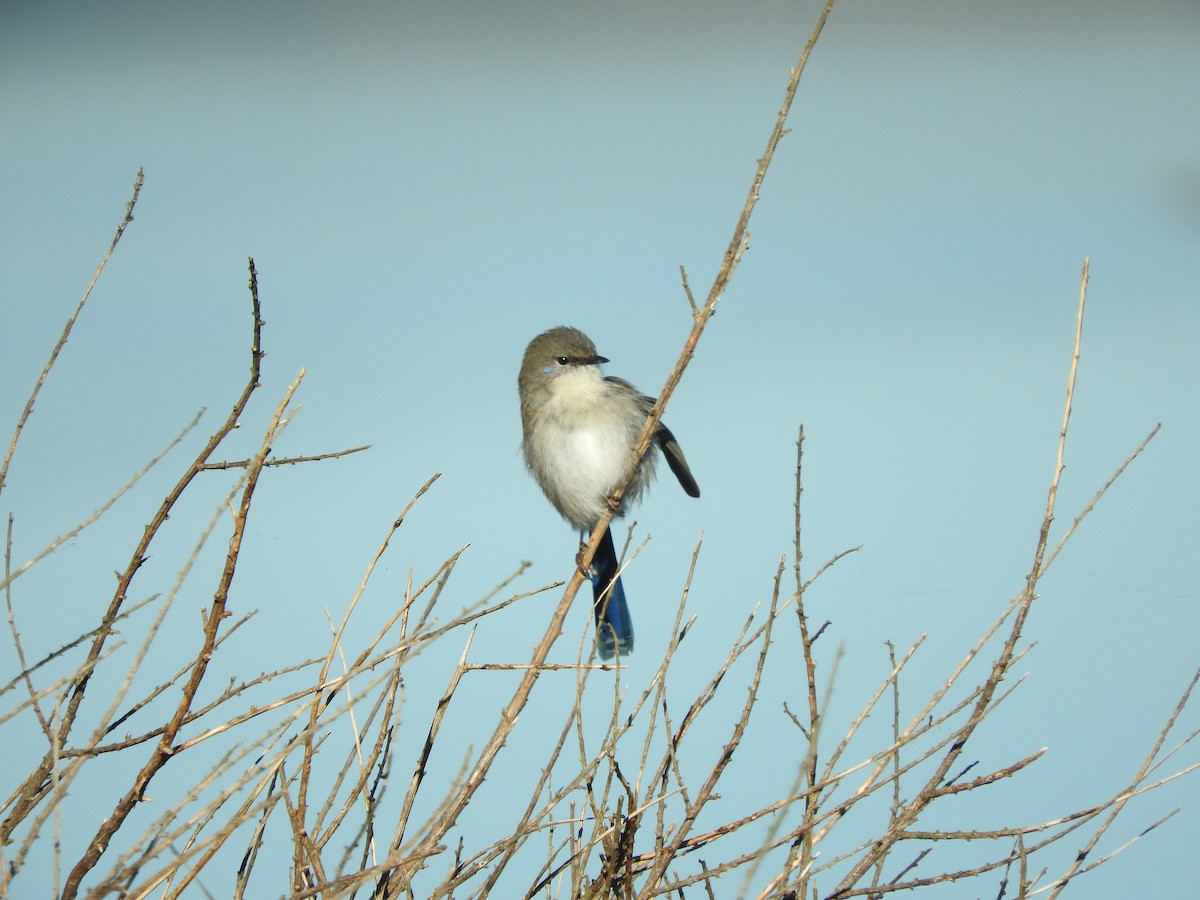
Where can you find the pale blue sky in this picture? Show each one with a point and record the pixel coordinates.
(425, 186)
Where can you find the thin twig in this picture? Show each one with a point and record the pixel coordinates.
(66, 332)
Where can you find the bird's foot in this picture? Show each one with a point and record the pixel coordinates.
(585, 571)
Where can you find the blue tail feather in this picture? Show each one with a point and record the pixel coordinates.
(614, 625)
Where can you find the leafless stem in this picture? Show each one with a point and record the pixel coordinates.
(66, 332)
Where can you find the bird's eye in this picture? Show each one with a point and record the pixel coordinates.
(562, 360)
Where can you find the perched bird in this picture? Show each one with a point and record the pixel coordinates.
(579, 430)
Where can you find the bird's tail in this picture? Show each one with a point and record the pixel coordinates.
(614, 627)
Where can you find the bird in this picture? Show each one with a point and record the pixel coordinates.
(579, 428)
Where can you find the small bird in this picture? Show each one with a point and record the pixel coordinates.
(579, 430)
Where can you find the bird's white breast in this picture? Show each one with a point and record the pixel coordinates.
(586, 434)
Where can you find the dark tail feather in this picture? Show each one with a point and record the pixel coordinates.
(614, 627)
(674, 454)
